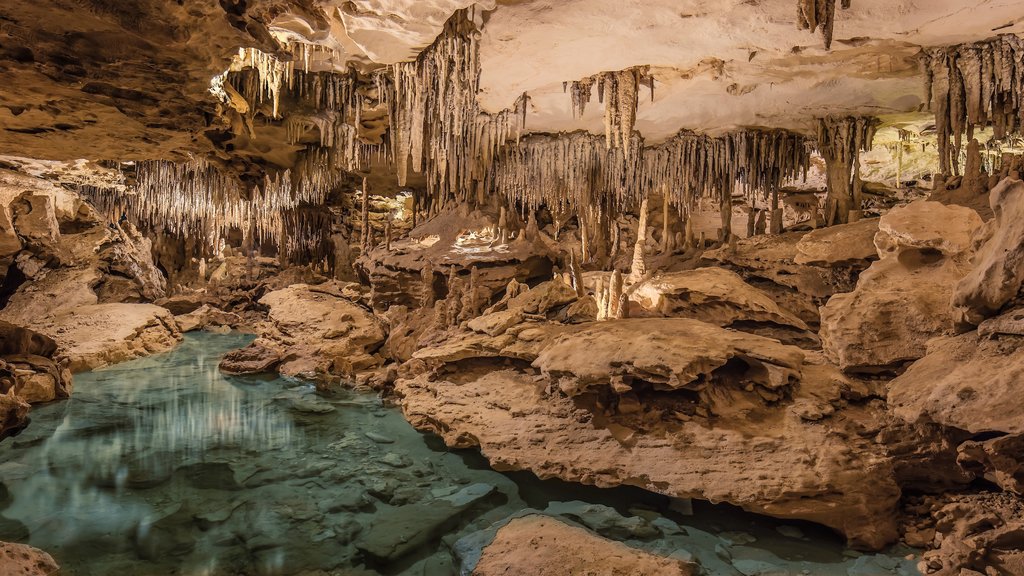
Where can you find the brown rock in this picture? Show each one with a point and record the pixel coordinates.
(253, 359)
(24, 560)
(543, 546)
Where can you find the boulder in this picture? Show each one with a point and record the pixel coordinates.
(13, 413)
(320, 333)
(843, 244)
(902, 300)
(543, 546)
(253, 359)
(998, 266)
(24, 560)
(206, 316)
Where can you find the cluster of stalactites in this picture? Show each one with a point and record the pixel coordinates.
(694, 166)
(843, 138)
(814, 14)
(437, 127)
(197, 200)
(567, 171)
(619, 92)
(306, 236)
(974, 85)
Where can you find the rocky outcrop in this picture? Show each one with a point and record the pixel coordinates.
(543, 546)
(28, 375)
(13, 413)
(969, 534)
(675, 406)
(998, 266)
(98, 335)
(24, 560)
(319, 332)
(903, 299)
(453, 242)
(965, 382)
(839, 245)
(713, 295)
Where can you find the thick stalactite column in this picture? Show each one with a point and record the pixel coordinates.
(840, 141)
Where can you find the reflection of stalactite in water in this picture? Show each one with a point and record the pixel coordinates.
(971, 86)
(812, 14)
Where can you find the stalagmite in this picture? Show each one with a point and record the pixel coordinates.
(615, 293)
(576, 274)
(427, 278)
(638, 268)
(366, 238)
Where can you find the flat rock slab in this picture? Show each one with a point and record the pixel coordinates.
(98, 335)
(543, 546)
(669, 352)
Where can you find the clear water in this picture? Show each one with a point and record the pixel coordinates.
(164, 466)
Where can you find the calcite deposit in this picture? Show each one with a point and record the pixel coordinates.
(765, 254)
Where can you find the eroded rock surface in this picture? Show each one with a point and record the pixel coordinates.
(544, 546)
(24, 560)
(903, 299)
(98, 335)
(676, 406)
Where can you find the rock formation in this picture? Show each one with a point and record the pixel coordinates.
(732, 252)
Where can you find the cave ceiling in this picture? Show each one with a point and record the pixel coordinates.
(130, 80)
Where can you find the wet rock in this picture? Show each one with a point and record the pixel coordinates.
(398, 531)
(604, 520)
(205, 317)
(171, 534)
(253, 359)
(13, 414)
(543, 546)
(902, 300)
(24, 560)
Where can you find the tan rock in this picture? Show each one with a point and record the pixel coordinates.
(965, 382)
(543, 546)
(998, 266)
(206, 316)
(714, 295)
(902, 300)
(98, 335)
(836, 245)
(24, 560)
(13, 413)
(319, 332)
(670, 353)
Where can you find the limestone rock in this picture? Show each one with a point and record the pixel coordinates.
(98, 335)
(999, 460)
(13, 413)
(543, 546)
(206, 316)
(320, 332)
(836, 245)
(24, 560)
(713, 295)
(998, 267)
(902, 300)
(965, 382)
(974, 534)
(253, 359)
(670, 353)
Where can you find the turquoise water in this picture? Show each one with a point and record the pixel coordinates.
(164, 466)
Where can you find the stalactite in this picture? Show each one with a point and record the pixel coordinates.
(619, 92)
(971, 86)
(437, 127)
(840, 141)
(812, 14)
